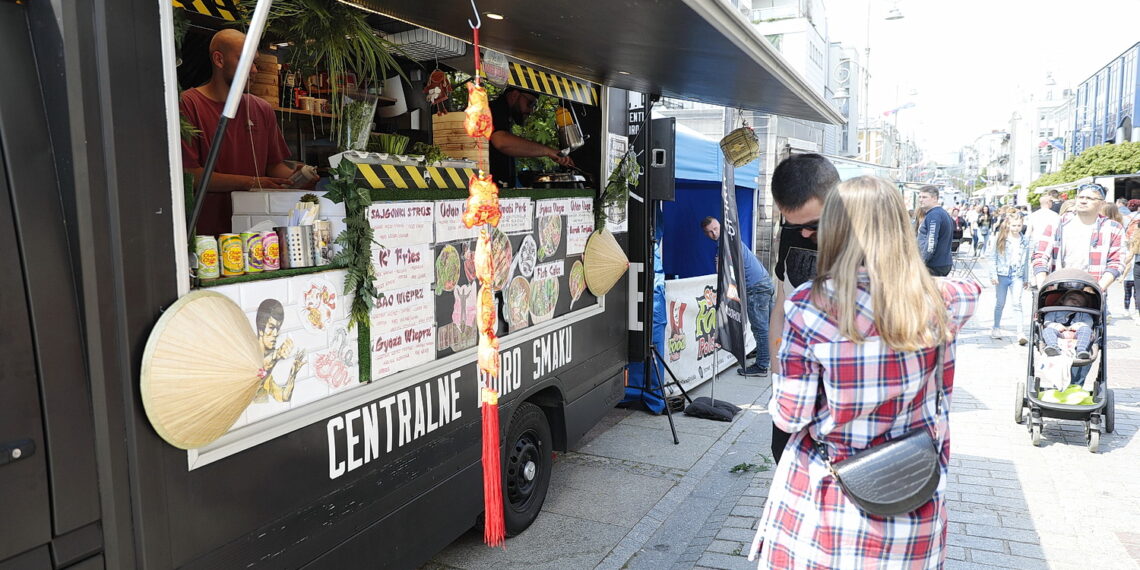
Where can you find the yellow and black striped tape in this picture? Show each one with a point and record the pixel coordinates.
(533, 79)
(389, 176)
(223, 9)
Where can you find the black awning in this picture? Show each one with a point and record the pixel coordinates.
(699, 50)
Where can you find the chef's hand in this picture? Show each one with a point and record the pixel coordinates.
(268, 183)
(561, 160)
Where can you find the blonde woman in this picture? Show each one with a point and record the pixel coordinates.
(1010, 270)
(859, 340)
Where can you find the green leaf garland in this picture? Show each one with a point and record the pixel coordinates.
(355, 242)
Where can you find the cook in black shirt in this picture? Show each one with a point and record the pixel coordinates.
(512, 107)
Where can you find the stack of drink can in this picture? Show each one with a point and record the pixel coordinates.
(231, 255)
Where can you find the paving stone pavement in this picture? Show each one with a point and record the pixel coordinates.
(628, 498)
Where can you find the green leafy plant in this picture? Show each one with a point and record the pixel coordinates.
(389, 143)
(330, 35)
(541, 128)
(310, 199)
(355, 242)
(625, 176)
(431, 152)
(187, 130)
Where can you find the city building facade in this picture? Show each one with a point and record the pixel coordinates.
(1106, 103)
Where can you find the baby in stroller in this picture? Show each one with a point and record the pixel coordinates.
(1058, 323)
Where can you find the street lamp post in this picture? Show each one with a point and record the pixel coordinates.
(893, 14)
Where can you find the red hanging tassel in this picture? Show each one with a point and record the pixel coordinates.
(495, 528)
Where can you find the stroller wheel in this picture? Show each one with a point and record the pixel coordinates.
(1035, 435)
(1109, 412)
(1094, 440)
(1019, 403)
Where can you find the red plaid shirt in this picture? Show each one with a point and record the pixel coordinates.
(1106, 253)
(851, 396)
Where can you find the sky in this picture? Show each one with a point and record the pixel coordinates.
(966, 64)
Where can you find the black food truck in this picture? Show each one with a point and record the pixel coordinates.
(361, 447)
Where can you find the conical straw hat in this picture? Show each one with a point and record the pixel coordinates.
(199, 370)
(605, 262)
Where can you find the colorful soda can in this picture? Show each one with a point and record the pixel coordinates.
(233, 259)
(254, 252)
(271, 246)
(206, 250)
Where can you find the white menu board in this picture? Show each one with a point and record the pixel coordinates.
(398, 310)
(402, 349)
(401, 223)
(551, 207)
(449, 222)
(518, 215)
(550, 270)
(579, 225)
(402, 267)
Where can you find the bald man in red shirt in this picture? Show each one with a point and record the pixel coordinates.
(253, 151)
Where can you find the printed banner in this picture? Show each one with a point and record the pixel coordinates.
(401, 223)
(579, 225)
(402, 349)
(518, 216)
(730, 273)
(449, 222)
(402, 267)
(690, 337)
(398, 310)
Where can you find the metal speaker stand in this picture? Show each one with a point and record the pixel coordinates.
(655, 359)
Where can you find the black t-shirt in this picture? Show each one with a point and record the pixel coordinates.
(502, 165)
(796, 258)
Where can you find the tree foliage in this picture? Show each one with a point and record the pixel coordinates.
(1100, 160)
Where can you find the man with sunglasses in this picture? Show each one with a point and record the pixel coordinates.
(1082, 239)
(800, 184)
(935, 234)
(512, 107)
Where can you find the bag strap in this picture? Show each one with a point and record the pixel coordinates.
(939, 373)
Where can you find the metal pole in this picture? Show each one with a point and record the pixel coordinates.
(241, 76)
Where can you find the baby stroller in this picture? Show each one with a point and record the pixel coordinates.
(1096, 410)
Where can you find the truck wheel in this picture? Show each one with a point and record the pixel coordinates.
(526, 467)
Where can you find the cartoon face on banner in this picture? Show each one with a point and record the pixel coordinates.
(675, 342)
(706, 323)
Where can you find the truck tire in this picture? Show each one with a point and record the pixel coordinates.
(527, 463)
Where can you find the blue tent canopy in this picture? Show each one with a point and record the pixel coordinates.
(687, 252)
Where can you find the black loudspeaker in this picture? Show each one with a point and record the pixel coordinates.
(662, 164)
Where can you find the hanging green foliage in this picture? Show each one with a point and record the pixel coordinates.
(355, 242)
(541, 128)
(616, 193)
(329, 35)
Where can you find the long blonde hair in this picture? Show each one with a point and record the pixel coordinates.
(1003, 233)
(864, 225)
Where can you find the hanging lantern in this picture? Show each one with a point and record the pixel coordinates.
(482, 201)
(482, 209)
(478, 123)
